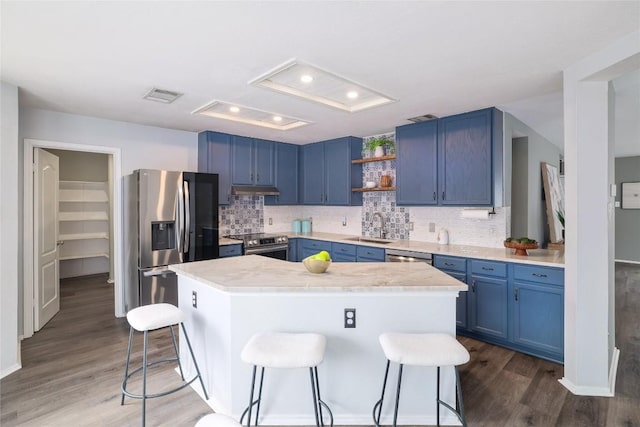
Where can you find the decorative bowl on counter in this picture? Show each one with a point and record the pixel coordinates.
(521, 248)
(316, 265)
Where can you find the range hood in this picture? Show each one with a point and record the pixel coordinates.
(254, 190)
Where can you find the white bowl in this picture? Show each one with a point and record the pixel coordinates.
(316, 265)
(370, 184)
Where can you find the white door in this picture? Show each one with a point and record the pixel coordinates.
(45, 233)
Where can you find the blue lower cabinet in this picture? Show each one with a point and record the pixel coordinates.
(226, 251)
(312, 247)
(343, 252)
(293, 250)
(370, 254)
(489, 314)
(461, 302)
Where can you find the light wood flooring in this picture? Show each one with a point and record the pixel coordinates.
(73, 367)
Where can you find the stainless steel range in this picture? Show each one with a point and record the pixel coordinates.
(270, 245)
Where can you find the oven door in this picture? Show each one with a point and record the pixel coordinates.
(278, 252)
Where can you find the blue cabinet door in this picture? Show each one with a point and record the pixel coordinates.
(340, 174)
(370, 254)
(242, 161)
(461, 302)
(227, 251)
(417, 164)
(286, 175)
(343, 252)
(312, 167)
(293, 250)
(214, 156)
(465, 159)
(263, 162)
(489, 306)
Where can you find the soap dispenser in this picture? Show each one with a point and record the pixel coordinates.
(443, 236)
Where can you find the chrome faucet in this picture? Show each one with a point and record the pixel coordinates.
(383, 233)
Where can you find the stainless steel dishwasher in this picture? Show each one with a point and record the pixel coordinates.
(398, 255)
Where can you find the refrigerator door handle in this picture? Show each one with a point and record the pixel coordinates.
(180, 219)
(187, 216)
(163, 271)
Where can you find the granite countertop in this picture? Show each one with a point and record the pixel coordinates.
(536, 256)
(254, 273)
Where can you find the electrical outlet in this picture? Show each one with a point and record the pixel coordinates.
(432, 227)
(344, 221)
(349, 317)
(194, 299)
(270, 221)
(411, 226)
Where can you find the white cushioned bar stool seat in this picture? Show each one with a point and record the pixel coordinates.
(217, 420)
(150, 318)
(281, 350)
(423, 349)
(285, 350)
(429, 350)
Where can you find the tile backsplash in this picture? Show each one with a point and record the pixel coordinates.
(247, 214)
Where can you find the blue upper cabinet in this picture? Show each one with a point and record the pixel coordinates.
(214, 156)
(417, 164)
(312, 176)
(465, 159)
(252, 161)
(286, 175)
(328, 174)
(455, 160)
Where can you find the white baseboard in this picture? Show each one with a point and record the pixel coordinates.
(10, 370)
(596, 391)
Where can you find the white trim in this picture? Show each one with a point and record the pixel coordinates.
(29, 145)
(627, 261)
(11, 369)
(596, 391)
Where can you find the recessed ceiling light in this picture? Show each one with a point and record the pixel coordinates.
(306, 78)
(352, 94)
(327, 88)
(162, 95)
(252, 116)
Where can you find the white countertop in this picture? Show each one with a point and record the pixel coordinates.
(536, 257)
(227, 241)
(254, 273)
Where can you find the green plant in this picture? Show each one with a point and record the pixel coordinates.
(371, 144)
(560, 215)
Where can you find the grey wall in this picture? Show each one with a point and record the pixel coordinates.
(539, 150)
(9, 348)
(627, 220)
(81, 166)
(520, 187)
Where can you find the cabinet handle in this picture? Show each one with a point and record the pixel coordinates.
(515, 293)
(539, 275)
(449, 264)
(251, 176)
(487, 268)
(473, 286)
(434, 195)
(443, 195)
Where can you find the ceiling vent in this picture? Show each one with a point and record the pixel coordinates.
(424, 118)
(161, 95)
(314, 84)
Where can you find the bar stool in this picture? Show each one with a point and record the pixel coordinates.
(285, 350)
(422, 350)
(149, 318)
(217, 420)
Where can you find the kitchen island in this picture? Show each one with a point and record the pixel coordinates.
(238, 297)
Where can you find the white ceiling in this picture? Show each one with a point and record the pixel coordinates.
(100, 58)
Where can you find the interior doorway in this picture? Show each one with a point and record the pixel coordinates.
(91, 247)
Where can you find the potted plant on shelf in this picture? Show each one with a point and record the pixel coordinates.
(377, 146)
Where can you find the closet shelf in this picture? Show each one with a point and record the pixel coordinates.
(84, 236)
(86, 255)
(83, 216)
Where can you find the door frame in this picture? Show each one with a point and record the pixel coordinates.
(28, 246)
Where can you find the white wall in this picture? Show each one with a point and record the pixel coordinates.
(142, 147)
(9, 348)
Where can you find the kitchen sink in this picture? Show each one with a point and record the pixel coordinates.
(370, 240)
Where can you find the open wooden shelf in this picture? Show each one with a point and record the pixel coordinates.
(364, 190)
(374, 159)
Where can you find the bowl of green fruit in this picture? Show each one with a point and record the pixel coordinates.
(520, 245)
(317, 263)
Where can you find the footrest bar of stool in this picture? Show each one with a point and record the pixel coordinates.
(446, 405)
(322, 404)
(254, 403)
(164, 393)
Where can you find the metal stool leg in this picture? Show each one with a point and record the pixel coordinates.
(315, 399)
(395, 412)
(195, 364)
(175, 348)
(321, 403)
(376, 420)
(438, 397)
(461, 403)
(259, 396)
(126, 368)
(144, 378)
(460, 413)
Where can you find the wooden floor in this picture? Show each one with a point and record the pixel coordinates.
(72, 371)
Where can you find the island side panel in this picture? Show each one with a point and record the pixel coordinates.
(351, 374)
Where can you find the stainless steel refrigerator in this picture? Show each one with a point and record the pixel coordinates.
(170, 218)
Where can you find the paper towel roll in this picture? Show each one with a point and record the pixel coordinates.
(475, 213)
